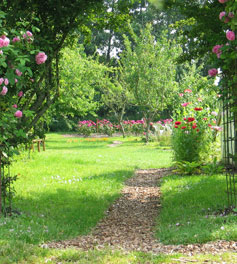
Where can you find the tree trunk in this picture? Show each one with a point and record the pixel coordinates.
(148, 120)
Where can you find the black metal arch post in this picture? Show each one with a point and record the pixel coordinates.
(230, 143)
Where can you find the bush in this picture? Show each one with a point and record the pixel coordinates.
(194, 131)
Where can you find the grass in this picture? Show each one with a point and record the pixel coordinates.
(64, 192)
(189, 206)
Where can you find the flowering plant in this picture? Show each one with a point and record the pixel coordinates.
(16, 52)
(86, 127)
(194, 129)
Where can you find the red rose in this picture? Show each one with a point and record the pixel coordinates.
(191, 119)
(198, 108)
(183, 127)
(177, 123)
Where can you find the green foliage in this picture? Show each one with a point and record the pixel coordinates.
(148, 71)
(213, 168)
(187, 168)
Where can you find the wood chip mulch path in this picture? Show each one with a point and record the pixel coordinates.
(130, 221)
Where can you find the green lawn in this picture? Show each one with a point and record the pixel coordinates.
(64, 192)
(189, 210)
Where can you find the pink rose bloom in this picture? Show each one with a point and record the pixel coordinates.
(19, 73)
(14, 106)
(1, 43)
(216, 49)
(230, 35)
(24, 36)
(222, 14)
(15, 39)
(231, 15)
(1, 81)
(16, 80)
(4, 90)
(29, 34)
(6, 41)
(6, 81)
(32, 80)
(199, 99)
(222, 1)
(40, 58)
(18, 114)
(1, 52)
(20, 94)
(213, 72)
(185, 104)
(181, 94)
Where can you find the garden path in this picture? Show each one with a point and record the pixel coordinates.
(129, 223)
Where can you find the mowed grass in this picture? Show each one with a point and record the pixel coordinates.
(64, 191)
(190, 206)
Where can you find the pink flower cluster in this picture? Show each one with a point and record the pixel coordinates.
(230, 35)
(88, 123)
(4, 41)
(40, 58)
(217, 50)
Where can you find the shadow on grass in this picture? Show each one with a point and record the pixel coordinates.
(68, 211)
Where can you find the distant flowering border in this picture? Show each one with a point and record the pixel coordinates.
(137, 127)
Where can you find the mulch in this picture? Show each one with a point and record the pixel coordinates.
(130, 221)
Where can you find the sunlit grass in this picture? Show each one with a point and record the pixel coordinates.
(189, 210)
(64, 191)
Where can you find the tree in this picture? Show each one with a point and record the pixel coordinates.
(148, 71)
(116, 97)
(79, 81)
(56, 24)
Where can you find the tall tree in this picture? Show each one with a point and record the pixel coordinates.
(148, 70)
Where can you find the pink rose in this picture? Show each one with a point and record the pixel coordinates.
(29, 34)
(222, 1)
(16, 80)
(32, 80)
(20, 94)
(6, 81)
(222, 14)
(230, 35)
(40, 58)
(19, 73)
(5, 41)
(15, 39)
(1, 81)
(18, 114)
(213, 72)
(4, 90)
(14, 106)
(181, 94)
(1, 52)
(185, 104)
(24, 36)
